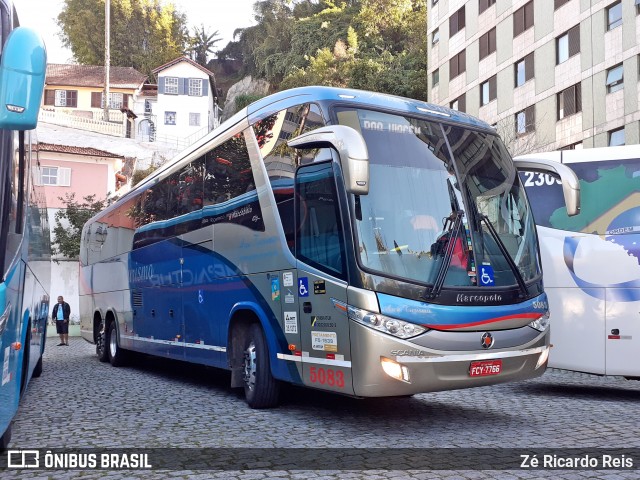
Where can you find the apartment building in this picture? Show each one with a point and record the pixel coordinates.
(549, 74)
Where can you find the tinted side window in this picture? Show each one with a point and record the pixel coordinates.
(320, 241)
(281, 161)
(610, 193)
(229, 189)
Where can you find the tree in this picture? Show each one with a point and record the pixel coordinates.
(69, 223)
(201, 45)
(378, 45)
(144, 33)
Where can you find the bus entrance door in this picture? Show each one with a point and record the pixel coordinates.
(324, 328)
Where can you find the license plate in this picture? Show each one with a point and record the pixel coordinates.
(485, 368)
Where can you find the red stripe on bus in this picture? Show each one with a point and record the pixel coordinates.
(532, 316)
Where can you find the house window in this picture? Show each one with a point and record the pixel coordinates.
(435, 36)
(558, 3)
(488, 91)
(147, 106)
(573, 146)
(55, 176)
(169, 118)
(568, 44)
(49, 97)
(435, 77)
(614, 15)
(195, 87)
(526, 120)
(194, 119)
(171, 85)
(523, 19)
(49, 176)
(488, 43)
(456, 22)
(569, 101)
(484, 4)
(616, 137)
(637, 7)
(66, 98)
(524, 70)
(615, 79)
(457, 64)
(459, 103)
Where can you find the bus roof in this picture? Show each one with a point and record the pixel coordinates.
(365, 98)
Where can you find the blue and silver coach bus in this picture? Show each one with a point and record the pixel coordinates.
(344, 240)
(24, 232)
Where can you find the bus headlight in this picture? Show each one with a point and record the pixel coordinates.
(542, 323)
(382, 323)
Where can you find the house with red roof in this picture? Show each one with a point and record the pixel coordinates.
(73, 96)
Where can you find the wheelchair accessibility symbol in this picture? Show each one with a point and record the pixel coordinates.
(486, 275)
(303, 287)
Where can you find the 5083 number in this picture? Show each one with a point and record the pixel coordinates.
(326, 376)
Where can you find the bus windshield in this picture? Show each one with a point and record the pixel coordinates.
(429, 218)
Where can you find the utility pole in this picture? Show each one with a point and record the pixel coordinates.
(107, 56)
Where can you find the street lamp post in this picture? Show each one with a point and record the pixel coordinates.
(107, 56)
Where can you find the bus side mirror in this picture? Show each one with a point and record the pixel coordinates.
(569, 180)
(354, 157)
(22, 75)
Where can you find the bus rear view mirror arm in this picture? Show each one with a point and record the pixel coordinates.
(570, 182)
(351, 147)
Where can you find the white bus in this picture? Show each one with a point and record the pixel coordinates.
(591, 261)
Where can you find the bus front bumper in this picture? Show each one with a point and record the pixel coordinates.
(383, 366)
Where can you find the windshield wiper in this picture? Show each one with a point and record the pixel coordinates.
(453, 233)
(505, 254)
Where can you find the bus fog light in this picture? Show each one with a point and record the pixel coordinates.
(394, 369)
(543, 358)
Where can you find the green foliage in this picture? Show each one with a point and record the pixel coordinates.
(144, 33)
(201, 45)
(69, 223)
(140, 175)
(246, 99)
(377, 45)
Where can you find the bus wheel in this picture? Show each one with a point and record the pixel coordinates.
(116, 354)
(37, 371)
(260, 388)
(101, 344)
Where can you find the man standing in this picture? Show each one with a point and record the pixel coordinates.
(61, 313)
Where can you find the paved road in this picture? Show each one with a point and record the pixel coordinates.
(159, 404)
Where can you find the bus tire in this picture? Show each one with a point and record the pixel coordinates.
(260, 388)
(5, 438)
(37, 371)
(116, 354)
(101, 344)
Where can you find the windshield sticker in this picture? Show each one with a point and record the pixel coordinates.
(290, 322)
(287, 279)
(486, 276)
(325, 341)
